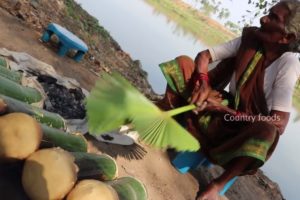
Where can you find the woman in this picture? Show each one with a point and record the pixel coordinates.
(262, 69)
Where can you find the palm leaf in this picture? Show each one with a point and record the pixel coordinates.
(114, 101)
(105, 106)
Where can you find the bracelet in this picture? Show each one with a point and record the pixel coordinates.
(237, 113)
(202, 76)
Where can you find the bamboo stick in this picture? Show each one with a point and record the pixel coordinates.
(11, 75)
(14, 90)
(43, 116)
(129, 188)
(56, 138)
(95, 166)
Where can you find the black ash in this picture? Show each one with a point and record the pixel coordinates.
(69, 103)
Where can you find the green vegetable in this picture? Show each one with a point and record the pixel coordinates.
(43, 116)
(16, 91)
(129, 188)
(11, 75)
(56, 138)
(95, 166)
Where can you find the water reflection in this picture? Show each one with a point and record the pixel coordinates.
(145, 33)
(178, 30)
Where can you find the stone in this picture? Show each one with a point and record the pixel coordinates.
(34, 4)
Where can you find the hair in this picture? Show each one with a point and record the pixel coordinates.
(292, 25)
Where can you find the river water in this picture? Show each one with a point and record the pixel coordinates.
(144, 34)
(152, 38)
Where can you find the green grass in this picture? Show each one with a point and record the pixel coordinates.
(71, 9)
(191, 20)
(89, 23)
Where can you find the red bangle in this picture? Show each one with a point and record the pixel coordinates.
(202, 76)
(237, 113)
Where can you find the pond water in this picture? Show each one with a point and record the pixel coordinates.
(143, 33)
(152, 38)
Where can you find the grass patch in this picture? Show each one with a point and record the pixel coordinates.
(90, 24)
(71, 9)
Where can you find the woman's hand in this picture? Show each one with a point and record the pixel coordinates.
(216, 95)
(201, 80)
(200, 93)
(214, 103)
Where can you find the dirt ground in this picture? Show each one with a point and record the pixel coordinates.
(152, 167)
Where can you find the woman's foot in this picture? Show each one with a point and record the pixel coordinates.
(210, 193)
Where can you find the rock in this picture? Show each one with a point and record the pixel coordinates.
(17, 5)
(246, 187)
(34, 4)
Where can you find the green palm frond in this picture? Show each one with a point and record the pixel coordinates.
(105, 106)
(114, 101)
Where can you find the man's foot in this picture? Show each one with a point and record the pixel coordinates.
(211, 192)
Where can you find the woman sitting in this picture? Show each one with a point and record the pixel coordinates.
(262, 68)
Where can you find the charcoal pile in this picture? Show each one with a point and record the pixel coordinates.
(69, 103)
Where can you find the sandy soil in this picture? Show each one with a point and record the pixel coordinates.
(152, 167)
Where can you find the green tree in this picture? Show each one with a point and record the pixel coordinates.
(260, 7)
(233, 27)
(223, 13)
(209, 7)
